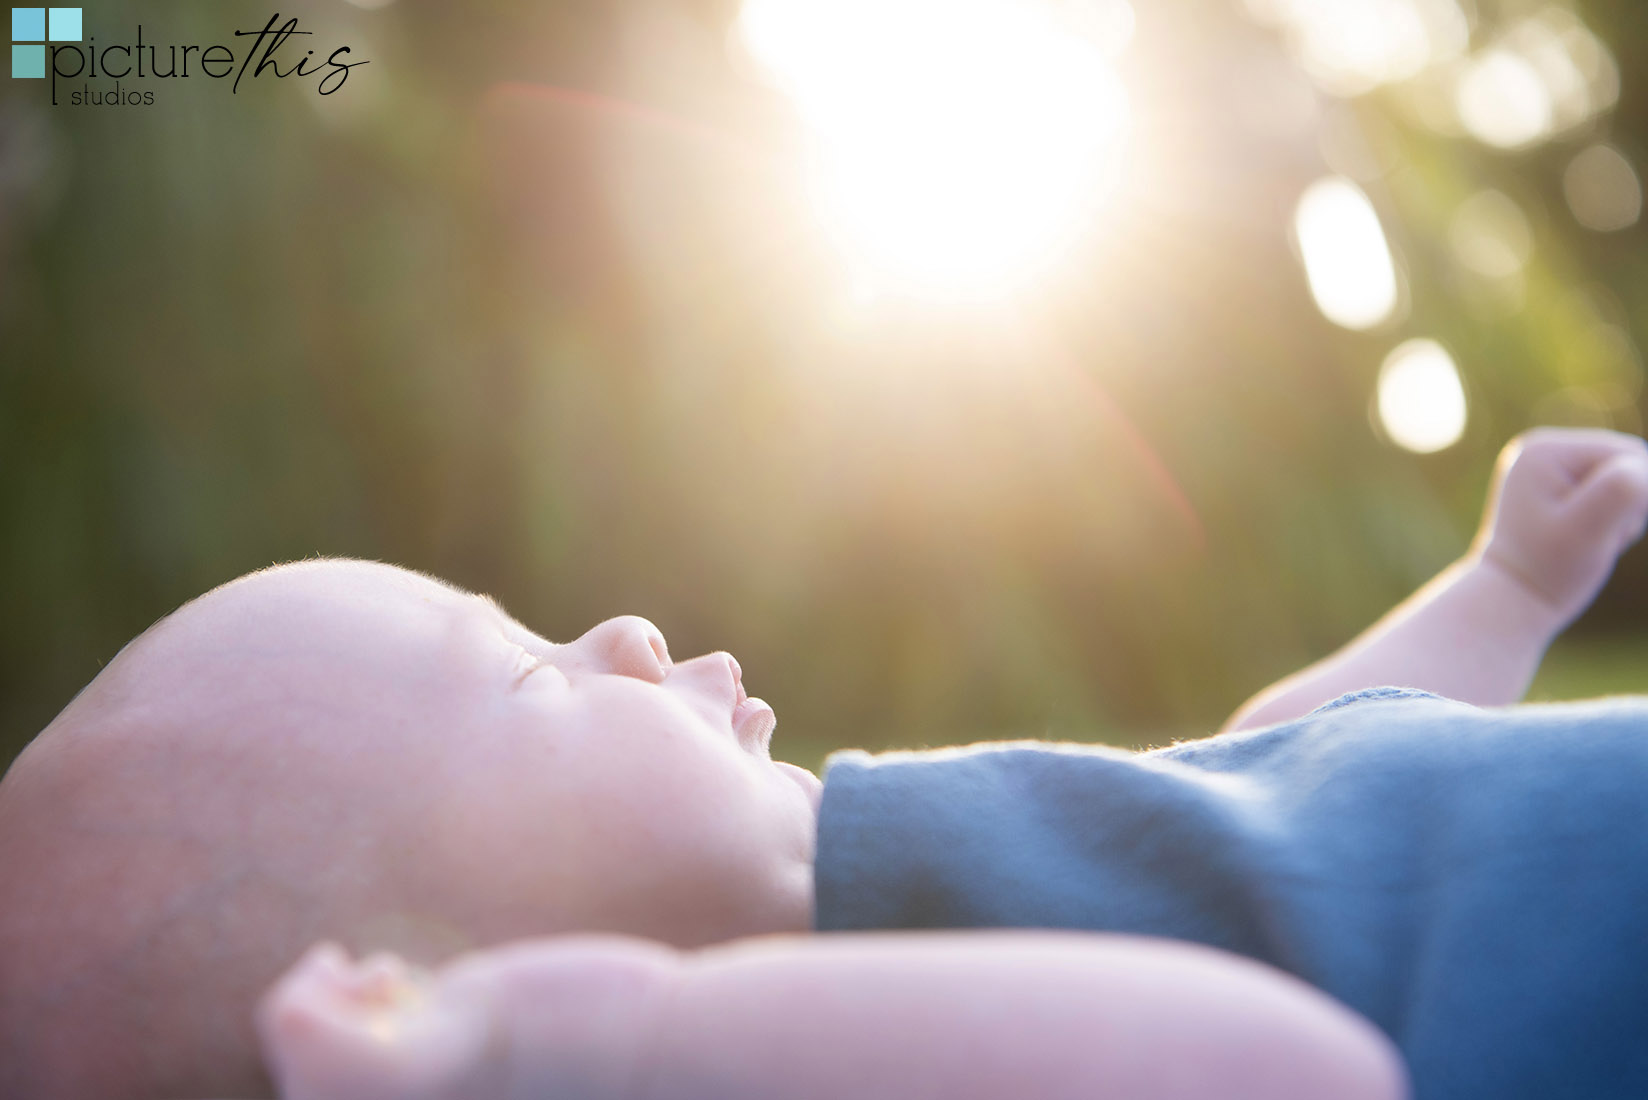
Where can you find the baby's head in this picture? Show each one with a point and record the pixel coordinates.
(346, 750)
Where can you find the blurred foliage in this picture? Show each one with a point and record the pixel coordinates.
(582, 353)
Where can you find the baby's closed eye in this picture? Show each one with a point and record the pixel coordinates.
(526, 663)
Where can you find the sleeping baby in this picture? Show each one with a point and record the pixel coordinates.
(340, 751)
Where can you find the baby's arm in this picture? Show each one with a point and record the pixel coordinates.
(957, 1016)
(1565, 504)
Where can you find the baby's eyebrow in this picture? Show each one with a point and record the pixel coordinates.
(473, 625)
(493, 605)
(470, 596)
(474, 606)
(487, 605)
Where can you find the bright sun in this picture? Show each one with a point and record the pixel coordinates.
(959, 146)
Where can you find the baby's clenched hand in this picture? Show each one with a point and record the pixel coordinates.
(568, 1016)
(1566, 502)
(333, 1028)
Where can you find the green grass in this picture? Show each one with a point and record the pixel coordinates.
(1587, 667)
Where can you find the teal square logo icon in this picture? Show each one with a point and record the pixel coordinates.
(28, 62)
(64, 24)
(28, 24)
(31, 29)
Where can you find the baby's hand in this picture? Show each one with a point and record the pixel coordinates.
(562, 1017)
(1565, 504)
(334, 1029)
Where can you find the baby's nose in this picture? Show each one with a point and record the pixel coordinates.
(629, 646)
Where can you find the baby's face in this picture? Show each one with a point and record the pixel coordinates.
(535, 786)
(349, 751)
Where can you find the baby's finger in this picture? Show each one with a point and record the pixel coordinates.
(1613, 500)
(1578, 451)
(302, 999)
(326, 963)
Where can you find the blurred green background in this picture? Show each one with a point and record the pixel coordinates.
(534, 303)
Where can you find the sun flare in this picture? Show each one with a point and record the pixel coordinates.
(959, 146)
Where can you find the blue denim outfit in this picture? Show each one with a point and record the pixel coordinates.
(1474, 881)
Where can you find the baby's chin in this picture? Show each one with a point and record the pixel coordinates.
(806, 780)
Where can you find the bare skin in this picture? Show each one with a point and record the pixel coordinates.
(347, 751)
(934, 1016)
(351, 751)
(1564, 505)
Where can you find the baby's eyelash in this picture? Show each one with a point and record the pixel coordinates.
(528, 663)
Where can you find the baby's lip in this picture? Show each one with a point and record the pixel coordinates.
(754, 721)
(737, 677)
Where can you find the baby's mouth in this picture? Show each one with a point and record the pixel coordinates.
(737, 678)
(754, 721)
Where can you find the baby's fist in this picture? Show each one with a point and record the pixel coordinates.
(336, 1029)
(1566, 502)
